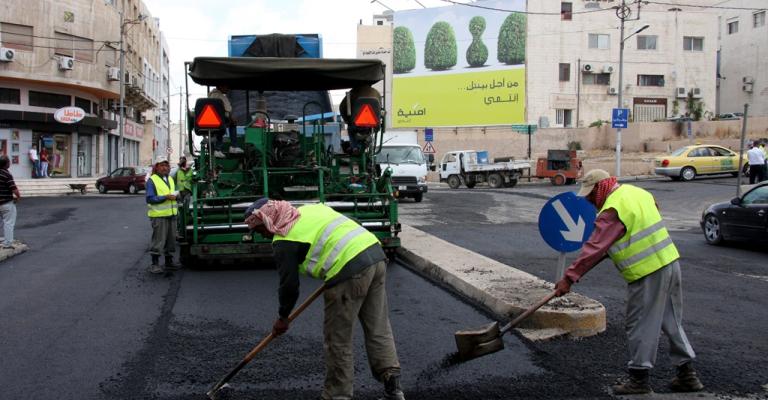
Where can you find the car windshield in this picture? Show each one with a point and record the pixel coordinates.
(142, 170)
(680, 151)
(401, 155)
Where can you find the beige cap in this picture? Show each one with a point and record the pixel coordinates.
(161, 160)
(591, 179)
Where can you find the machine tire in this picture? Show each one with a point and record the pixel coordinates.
(713, 230)
(495, 181)
(558, 180)
(454, 182)
(132, 189)
(101, 188)
(418, 197)
(687, 174)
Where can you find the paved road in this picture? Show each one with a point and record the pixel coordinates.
(724, 287)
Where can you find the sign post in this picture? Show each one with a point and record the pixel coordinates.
(565, 222)
(619, 120)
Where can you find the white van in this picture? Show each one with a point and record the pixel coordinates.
(403, 155)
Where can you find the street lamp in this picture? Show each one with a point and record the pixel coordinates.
(121, 127)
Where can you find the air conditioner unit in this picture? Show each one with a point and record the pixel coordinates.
(66, 63)
(608, 69)
(747, 88)
(6, 54)
(681, 93)
(134, 81)
(696, 93)
(748, 79)
(588, 68)
(113, 74)
(613, 90)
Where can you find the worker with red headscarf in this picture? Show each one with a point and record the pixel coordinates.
(630, 230)
(317, 241)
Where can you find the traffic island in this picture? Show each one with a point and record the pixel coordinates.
(18, 248)
(501, 289)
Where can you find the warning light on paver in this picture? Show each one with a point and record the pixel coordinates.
(209, 118)
(366, 117)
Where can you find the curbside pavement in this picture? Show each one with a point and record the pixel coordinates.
(501, 289)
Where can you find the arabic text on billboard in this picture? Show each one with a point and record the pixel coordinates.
(459, 65)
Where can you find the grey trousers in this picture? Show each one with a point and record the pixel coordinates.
(655, 304)
(362, 297)
(163, 236)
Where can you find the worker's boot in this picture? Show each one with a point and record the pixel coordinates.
(392, 389)
(155, 268)
(235, 150)
(686, 379)
(219, 154)
(637, 382)
(170, 265)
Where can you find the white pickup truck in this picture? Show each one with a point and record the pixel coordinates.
(464, 167)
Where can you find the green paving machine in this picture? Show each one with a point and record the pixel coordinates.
(302, 157)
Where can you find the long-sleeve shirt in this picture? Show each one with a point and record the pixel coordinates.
(151, 191)
(608, 229)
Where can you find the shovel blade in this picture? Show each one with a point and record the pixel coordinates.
(474, 343)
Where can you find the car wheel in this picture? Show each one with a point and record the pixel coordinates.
(687, 174)
(102, 189)
(418, 197)
(713, 231)
(471, 185)
(454, 182)
(133, 189)
(558, 180)
(495, 181)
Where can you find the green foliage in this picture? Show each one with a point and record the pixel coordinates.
(598, 123)
(440, 50)
(477, 52)
(675, 107)
(575, 145)
(511, 45)
(404, 50)
(694, 108)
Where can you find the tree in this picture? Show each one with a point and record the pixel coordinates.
(477, 52)
(511, 45)
(694, 108)
(404, 56)
(440, 50)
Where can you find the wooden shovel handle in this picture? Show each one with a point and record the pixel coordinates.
(527, 313)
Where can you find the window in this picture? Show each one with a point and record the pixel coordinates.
(73, 46)
(758, 19)
(599, 41)
(15, 36)
(721, 152)
(646, 42)
(50, 100)
(566, 11)
(733, 27)
(565, 72)
(650, 80)
(700, 152)
(595, 79)
(691, 43)
(83, 103)
(10, 96)
(757, 196)
(563, 117)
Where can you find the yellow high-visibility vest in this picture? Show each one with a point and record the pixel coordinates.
(646, 246)
(334, 240)
(167, 208)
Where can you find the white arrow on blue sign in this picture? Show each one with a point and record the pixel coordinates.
(566, 221)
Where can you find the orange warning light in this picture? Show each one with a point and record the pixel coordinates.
(209, 118)
(366, 117)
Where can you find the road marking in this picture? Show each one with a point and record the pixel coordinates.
(758, 277)
(575, 232)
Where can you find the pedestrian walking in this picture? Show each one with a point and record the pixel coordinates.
(161, 200)
(756, 158)
(317, 241)
(221, 93)
(630, 230)
(44, 163)
(35, 160)
(9, 196)
(184, 179)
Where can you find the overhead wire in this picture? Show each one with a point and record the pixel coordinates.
(663, 3)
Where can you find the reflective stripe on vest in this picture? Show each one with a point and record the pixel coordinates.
(167, 208)
(333, 238)
(646, 246)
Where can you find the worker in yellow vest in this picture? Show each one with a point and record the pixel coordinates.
(317, 241)
(629, 229)
(162, 209)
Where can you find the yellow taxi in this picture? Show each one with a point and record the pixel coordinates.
(701, 159)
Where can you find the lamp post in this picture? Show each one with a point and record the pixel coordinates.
(623, 13)
(121, 127)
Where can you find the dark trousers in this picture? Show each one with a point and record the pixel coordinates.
(756, 173)
(232, 128)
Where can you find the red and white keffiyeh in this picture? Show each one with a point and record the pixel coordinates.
(277, 216)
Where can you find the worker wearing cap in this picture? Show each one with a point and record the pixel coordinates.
(221, 92)
(162, 210)
(317, 241)
(630, 230)
(184, 179)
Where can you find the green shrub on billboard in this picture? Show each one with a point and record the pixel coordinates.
(440, 50)
(404, 50)
(477, 52)
(512, 39)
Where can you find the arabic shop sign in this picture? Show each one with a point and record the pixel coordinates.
(69, 115)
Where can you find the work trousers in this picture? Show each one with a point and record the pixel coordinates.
(8, 212)
(362, 297)
(163, 236)
(757, 173)
(655, 304)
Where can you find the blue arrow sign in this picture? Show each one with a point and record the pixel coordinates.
(566, 221)
(620, 118)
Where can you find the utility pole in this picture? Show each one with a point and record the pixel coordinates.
(168, 146)
(121, 126)
(181, 135)
(741, 149)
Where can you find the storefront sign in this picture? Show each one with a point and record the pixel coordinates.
(69, 115)
(562, 101)
(133, 130)
(649, 101)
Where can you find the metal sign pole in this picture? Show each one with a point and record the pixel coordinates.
(741, 150)
(560, 266)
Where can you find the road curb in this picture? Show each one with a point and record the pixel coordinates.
(503, 290)
(8, 253)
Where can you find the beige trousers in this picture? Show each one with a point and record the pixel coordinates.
(362, 297)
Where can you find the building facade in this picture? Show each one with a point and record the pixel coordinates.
(375, 42)
(743, 56)
(59, 54)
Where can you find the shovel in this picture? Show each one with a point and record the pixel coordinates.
(474, 343)
(264, 342)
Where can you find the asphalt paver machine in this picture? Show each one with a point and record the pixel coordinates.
(293, 157)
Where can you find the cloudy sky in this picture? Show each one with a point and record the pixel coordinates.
(201, 28)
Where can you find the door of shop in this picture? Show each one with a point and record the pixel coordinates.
(84, 154)
(57, 146)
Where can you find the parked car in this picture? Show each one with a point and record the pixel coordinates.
(743, 218)
(726, 117)
(690, 161)
(680, 118)
(128, 179)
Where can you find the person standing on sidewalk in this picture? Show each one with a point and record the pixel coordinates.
(9, 196)
(630, 230)
(756, 159)
(35, 160)
(317, 241)
(161, 201)
(184, 179)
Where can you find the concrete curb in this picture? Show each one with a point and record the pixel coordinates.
(501, 289)
(8, 253)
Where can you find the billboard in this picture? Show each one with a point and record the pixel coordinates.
(459, 65)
